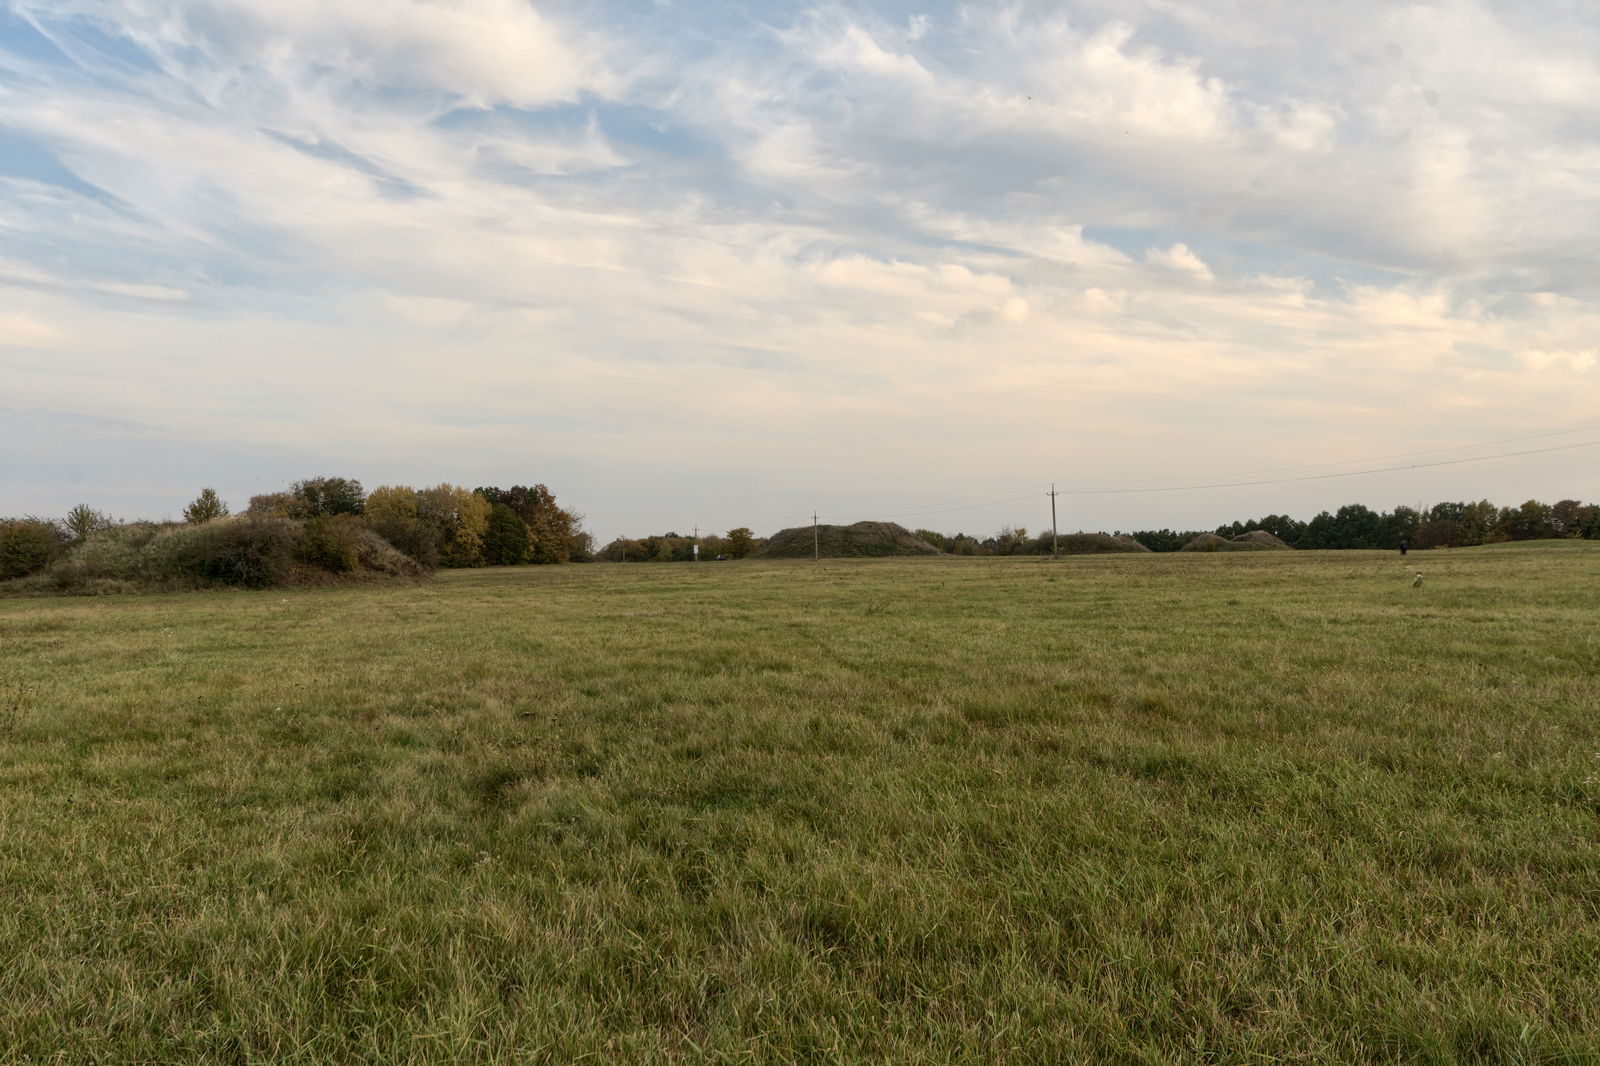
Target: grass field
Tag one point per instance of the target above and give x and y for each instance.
(1256, 808)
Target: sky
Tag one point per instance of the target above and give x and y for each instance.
(706, 265)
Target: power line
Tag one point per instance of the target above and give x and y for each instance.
(983, 502)
(1346, 462)
(1346, 473)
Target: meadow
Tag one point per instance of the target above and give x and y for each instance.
(1252, 808)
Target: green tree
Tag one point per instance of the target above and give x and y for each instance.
(1566, 518)
(1009, 541)
(461, 517)
(391, 512)
(1402, 525)
(83, 520)
(328, 495)
(505, 539)
(1531, 521)
(1477, 522)
(275, 505)
(741, 542)
(556, 533)
(205, 508)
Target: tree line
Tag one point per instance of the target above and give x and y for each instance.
(1455, 524)
(442, 526)
(451, 526)
(676, 548)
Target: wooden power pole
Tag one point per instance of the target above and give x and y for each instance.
(816, 543)
(1055, 542)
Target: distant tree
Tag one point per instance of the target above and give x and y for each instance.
(83, 520)
(1162, 540)
(329, 495)
(1009, 541)
(1477, 522)
(740, 542)
(1402, 525)
(556, 534)
(1438, 533)
(505, 538)
(391, 511)
(1588, 522)
(963, 544)
(461, 517)
(275, 504)
(1566, 518)
(205, 508)
(623, 550)
(1531, 521)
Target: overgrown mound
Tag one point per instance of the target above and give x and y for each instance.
(1261, 538)
(1087, 544)
(862, 540)
(1255, 540)
(245, 552)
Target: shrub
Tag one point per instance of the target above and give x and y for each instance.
(332, 542)
(253, 552)
(27, 545)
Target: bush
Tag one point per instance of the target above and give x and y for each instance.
(331, 542)
(254, 552)
(28, 545)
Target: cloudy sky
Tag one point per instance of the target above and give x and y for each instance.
(722, 264)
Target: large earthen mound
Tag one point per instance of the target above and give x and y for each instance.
(1255, 540)
(858, 541)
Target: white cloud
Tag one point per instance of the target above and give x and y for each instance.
(485, 51)
(1575, 362)
(1181, 259)
(22, 330)
(820, 239)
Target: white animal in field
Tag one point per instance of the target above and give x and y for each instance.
(1417, 584)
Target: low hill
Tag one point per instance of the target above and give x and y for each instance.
(249, 552)
(1255, 540)
(861, 540)
(1087, 544)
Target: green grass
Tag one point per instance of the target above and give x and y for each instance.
(1248, 808)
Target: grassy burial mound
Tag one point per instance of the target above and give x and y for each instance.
(858, 541)
(239, 552)
(1255, 540)
(1086, 544)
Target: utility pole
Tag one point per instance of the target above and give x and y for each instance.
(816, 543)
(1055, 541)
(697, 544)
